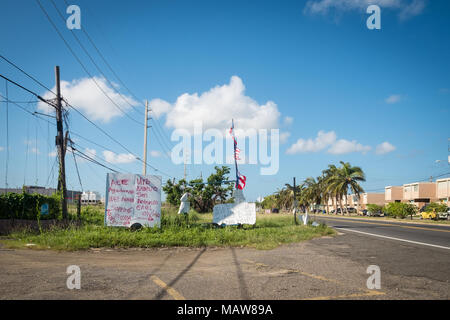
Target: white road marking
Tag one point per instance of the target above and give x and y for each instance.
(398, 239)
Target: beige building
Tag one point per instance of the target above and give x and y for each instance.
(443, 190)
(371, 198)
(419, 193)
(393, 194)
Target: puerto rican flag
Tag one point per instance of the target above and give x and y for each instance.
(240, 179)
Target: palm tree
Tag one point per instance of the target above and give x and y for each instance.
(329, 192)
(346, 179)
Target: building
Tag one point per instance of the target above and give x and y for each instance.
(72, 196)
(419, 193)
(371, 198)
(91, 197)
(393, 194)
(443, 190)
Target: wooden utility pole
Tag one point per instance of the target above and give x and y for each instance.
(60, 146)
(144, 170)
(295, 203)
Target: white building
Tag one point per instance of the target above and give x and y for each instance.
(91, 197)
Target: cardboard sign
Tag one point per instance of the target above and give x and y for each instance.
(232, 213)
(132, 198)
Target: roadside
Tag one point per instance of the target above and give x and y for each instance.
(323, 268)
(407, 220)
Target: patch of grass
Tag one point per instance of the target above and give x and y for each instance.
(196, 230)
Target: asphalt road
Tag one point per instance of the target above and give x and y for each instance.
(424, 234)
(323, 268)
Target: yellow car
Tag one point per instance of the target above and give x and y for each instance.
(429, 215)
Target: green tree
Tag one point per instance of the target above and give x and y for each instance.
(344, 180)
(204, 196)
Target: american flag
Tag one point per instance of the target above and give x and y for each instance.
(240, 179)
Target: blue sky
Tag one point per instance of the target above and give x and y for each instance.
(323, 68)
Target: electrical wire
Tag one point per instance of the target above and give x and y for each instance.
(83, 66)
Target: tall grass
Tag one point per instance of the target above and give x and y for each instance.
(195, 230)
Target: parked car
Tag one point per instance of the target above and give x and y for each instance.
(351, 210)
(363, 212)
(374, 213)
(275, 210)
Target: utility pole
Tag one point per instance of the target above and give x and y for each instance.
(144, 170)
(60, 145)
(295, 203)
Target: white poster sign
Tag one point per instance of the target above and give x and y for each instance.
(132, 198)
(232, 213)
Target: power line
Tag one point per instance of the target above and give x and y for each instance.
(82, 65)
(87, 119)
(91, 59)
(28, 75)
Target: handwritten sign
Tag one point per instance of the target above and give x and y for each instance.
(232, 213)
(132, 198)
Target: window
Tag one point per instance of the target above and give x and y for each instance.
(416, 187)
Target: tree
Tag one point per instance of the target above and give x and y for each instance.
(204, 196)
(345, 179)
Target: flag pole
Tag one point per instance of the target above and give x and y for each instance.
(234, 155)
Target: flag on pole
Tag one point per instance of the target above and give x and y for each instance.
(240, 179)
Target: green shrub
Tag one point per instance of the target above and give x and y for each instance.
(28, 206)
(375, 208)
(400, 210)
(437, 207)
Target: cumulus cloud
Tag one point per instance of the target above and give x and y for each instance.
(393, 98)
(52, 154)
(114, 158)
(35, 150)
(89, 99)
(406, 8)
(215, 109)
(288, 121)
(159, 107)
(323, 140)
(284, 136)
(343, 146)
(329, 141)
(384, 148)
(1, 148)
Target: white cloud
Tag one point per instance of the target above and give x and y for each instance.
(155, 154)
(323, 140)
(118, 158)
(52, 154)
(35, 150)
(216, 107)
(288, 121)
(90, 152)
(284, 136)
(159, 107)
(1, 148)
(89, 99)
(345, 146)
(393, 98)
(406, 8)
(384, 148)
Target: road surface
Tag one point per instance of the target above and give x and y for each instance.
(323, 268)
